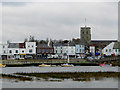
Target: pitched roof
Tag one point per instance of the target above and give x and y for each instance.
(16, 45)
(116, 45)
(13, 45)
(65, 44)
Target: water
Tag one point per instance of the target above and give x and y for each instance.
(9, 70)
(67, 83)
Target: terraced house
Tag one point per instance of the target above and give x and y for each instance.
(24, 50)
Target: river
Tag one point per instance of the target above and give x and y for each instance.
(67, 83)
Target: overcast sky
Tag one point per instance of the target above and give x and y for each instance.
(58, 20)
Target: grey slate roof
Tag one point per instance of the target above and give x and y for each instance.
(66, 44)
(13, 45)
(116, 45)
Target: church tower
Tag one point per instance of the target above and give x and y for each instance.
(85, 34)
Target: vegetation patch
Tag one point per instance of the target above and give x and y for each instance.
(20, 78)
(73, 75)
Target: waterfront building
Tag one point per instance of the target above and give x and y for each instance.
(13, 50)
(30, 50)
(113, 49)
(4, 52)
(44, 50)
(95, 49)
(63, 50)
(80, 50)
(18, 50)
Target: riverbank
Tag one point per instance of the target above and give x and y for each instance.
(55, 76)
(68, 75)
(57, 62)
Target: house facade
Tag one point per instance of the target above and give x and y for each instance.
(18, 50)
(4, 52)
(63, 50)
(44, 50)
(113, 49)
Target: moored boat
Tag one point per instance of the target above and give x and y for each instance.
(67, 65)
(44, 65)
(104, 65)
(1, 65)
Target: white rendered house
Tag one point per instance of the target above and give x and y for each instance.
(111, 49)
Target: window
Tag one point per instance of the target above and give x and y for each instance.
(119, 50)
(83, 50)
(56, 51)
(16, 51)
(61, 51)
(22, 51)
(32, 45)
(80, 50)
(115, 50)
(106, 50)
(3, 46)
(72, 51)
(83, 32)
(4, 51)
(10, 51)
(30, 51)
(43, 50)
(87, 32)
(77, 50)
(28, 46)
(109, 50)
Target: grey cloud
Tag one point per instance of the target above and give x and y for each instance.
(13, 4)
(59, 20)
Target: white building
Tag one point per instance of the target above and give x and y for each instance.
(30, 47)
(0, 51)
(64, 50)
(112, 49)
(18, 50)
(80, 49)
(4, 52)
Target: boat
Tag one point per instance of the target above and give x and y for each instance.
(44, 65)
(67, 65)
(68, 60)
(104, 65)
(1, 65)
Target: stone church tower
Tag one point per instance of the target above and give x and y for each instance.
(85, 34)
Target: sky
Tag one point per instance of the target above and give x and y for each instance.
(58, 20)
